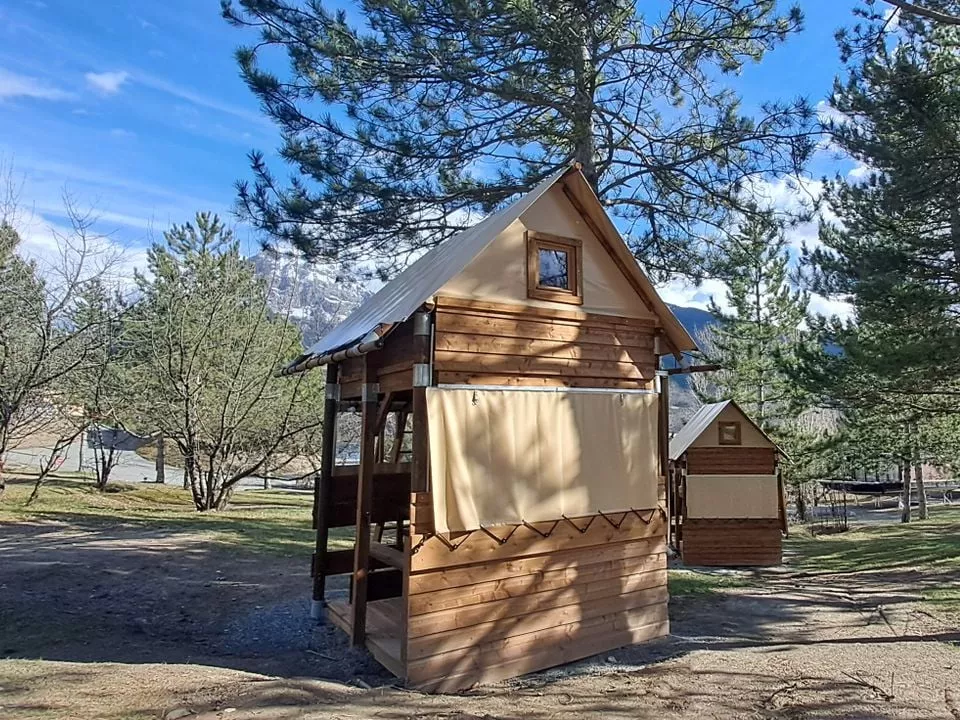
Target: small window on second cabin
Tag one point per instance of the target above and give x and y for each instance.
(554, 268)
(729, 433)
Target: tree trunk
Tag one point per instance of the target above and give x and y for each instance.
(267, 483)
(83, 440)
(800, 503)
(585, 146)
(161, 470)
(921, 489)
(904, 470)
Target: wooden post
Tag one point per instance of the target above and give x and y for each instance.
(401, 430)
(361, 554)
(664, 434)
(419, 481)
(323, 489)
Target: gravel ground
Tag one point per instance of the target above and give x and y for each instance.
(127, 623)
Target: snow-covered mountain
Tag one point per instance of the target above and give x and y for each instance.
(317, 297)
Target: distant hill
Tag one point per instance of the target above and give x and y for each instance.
(693, 319)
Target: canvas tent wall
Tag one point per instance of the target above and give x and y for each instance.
(725, 493)
(508, 360)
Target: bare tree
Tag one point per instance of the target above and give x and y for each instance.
(43, 341)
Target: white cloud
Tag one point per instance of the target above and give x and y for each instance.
(859, 171)
(107, 83)
(826, 113)
(829, 307)
(199, 99)
(13, 85)
(122, 133)
(680, 291)
(794, 196)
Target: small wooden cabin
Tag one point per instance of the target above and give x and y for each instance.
(523, 488)
(725, 493)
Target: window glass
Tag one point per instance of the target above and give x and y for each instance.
(554, 268)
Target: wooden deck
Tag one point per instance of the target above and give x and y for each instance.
(384, 629)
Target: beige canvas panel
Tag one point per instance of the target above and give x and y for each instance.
(505, 456)
(749, 435)
(498, 273)
(732, 496)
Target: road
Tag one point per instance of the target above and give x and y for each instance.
(131, 468)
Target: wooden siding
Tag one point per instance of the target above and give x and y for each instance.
(731, 461)
(489, 610)
(501, 344)
(732, 542)
(391, 366)
(391, 492)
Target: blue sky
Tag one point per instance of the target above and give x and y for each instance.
(138, 110)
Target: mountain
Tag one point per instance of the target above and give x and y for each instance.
(694, 320)
(317, 297)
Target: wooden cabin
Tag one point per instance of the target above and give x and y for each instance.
(725, 493)
(523, 488)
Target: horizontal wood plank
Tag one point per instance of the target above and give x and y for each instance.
(533, 328)
(471, 343)
(445, 302)
(478, 547)
(731, 461)
(487, 363)
(575, 570)
(480, 636)
(468, 378)
(459, 670)
(387, 554)
(576, 592)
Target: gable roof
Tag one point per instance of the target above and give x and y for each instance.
(402, 297)
(701, 420)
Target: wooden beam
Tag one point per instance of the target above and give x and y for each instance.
(361, 557)
(664, 434)
(690, 369)
(400, 431)
(323, 489)
(419, 462)
(387, 555)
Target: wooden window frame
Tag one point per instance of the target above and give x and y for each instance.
(574, 249)
(735, 426)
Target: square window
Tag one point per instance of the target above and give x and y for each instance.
(554, 268)
(729, 433)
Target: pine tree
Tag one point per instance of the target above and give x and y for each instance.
(206, 351)
(756, 341)
(894, 252)
(401, 129)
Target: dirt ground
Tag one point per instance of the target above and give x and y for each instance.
(114, 621)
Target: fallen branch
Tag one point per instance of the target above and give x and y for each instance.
(881, 693)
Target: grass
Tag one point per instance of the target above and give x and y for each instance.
(945, 598)
(263, 521)
(933, 544)
(691, 582)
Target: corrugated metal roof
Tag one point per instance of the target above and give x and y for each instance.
(695, 426)
(701, 420)
(401, 297)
